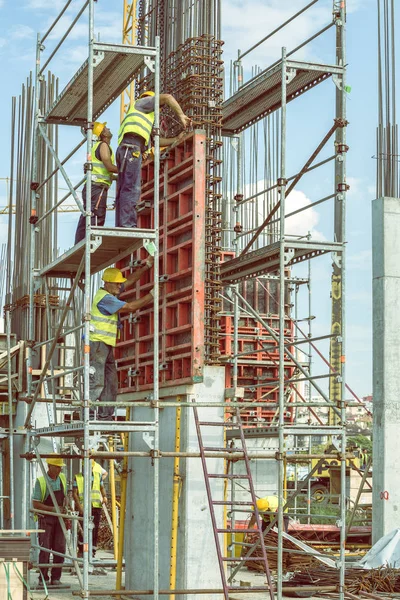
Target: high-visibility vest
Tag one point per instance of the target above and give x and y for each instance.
(43, 485)
(103, 328)
(138, 123)
(100, 174)
(95, 492)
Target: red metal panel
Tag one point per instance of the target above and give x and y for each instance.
(182, 261)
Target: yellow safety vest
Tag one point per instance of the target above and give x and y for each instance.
(95, 493)
(103, 328)
(138, 123)
(100, 175)
(43, 485)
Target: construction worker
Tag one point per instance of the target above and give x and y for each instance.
(133, 141)
(103, 166)
(52, 537)
(98, 497)
(104, 323)
(268, 507)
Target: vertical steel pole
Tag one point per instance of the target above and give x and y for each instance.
(281, 422)
(87, 303)
(34, 175)
(10, 421)
(156, 315)
(340, 231)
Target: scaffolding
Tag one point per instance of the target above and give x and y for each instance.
(258, 260)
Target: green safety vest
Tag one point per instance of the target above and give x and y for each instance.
(43, 485)
(138, 123)
(103, 328)
(95, 493)
(100, 175)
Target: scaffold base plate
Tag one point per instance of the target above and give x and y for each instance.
(107, 247)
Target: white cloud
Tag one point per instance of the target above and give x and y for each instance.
(3, 42)
(21, 32)
(56, 5)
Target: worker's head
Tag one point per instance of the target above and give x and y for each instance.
(101, 131)
(268, 503)
(113, 280)
(146, 93)
(55, 465)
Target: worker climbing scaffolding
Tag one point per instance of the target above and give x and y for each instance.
(134, 138)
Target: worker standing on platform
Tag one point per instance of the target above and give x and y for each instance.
(104, 325)
(134, 139)
(103, 166)
(53, 535)
(98, 497)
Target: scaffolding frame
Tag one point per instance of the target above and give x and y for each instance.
(282, 248)
(100, 248)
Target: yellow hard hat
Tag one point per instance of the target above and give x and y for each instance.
(57, 462)
(113, 275)
(147, 93)
(262, 504)
(98, 127)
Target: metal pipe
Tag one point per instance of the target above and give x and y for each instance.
(50, 29)
(65, 35)
(113, 500)
(43, 183)
(10, 421)
(278, 28)
(176, 485)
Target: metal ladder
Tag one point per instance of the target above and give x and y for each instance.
(225, 560)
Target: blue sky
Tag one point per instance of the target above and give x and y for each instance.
(244, 23)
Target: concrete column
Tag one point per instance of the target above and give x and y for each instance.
(386, 365)
(197, 565)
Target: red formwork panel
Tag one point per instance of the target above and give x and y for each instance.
(182, 262)
(258, 371)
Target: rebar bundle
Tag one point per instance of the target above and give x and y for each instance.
(387, 133)
(21, 189)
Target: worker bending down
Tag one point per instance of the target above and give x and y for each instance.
(104, 325)
(52, 538)
(134, 139)
(98, 498)
(267, 508)
(103, 166)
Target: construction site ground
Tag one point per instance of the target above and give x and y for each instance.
(107, 582)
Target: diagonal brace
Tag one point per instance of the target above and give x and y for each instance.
(337, 123)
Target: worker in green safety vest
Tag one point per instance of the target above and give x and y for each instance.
(98, 498)
(103, 171)
(52, 537)
(134, 138)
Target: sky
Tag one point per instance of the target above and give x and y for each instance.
(244, 22)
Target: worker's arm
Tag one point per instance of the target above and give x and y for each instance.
(37, 505)
(168, 100)
(78, 505)
(170, 141)
(136, 304)
(105, 155)
(136, 275)
(104, 495)
(252, 521)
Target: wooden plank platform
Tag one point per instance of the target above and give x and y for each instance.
(108, 245)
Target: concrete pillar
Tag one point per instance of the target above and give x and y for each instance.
(386, 365)
(197, 565)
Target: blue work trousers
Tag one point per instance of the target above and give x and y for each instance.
(103, 380)
(129, 162)
(98, 207)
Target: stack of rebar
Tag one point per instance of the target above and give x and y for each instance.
(357, 580)
(291, 562)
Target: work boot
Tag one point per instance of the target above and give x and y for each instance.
(55, 582)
